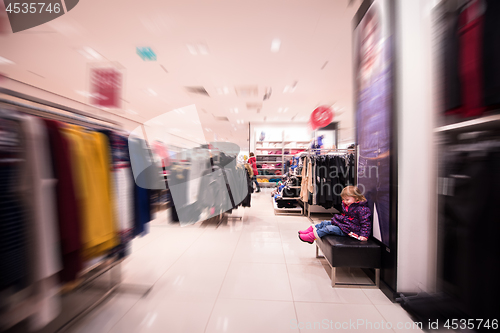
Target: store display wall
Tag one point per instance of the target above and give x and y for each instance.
(376, 123)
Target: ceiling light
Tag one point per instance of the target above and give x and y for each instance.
(192, 49)
(203, 49)
(223, 91)
(90, 53)
(196, 49)
(85, 54)
(152, 92)
(83, 93)
(4, 61)
(290, 88)
(286, 109)
(208, 129)
(275, 45)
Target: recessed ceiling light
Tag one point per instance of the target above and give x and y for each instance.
(152, 92)
(223, 91)
(285, 110)
(290, 88)
(196, 49)
(208, 129)
(83, 93)
(203, 49)
(4, 61)
(90, 53)
(275, 45)
(192, 49)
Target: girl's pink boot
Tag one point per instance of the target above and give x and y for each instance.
(308, 230)
(308, 238)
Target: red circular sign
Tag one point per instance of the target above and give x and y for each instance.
(321, 116)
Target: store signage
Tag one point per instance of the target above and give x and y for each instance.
(146, 53)
(106, 87)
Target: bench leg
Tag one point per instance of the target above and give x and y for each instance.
(377, 277)
(317, 253)
(333, 276)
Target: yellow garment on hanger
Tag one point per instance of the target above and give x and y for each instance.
(90, 159)
(305, 182)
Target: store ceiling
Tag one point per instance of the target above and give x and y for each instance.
(235, 74)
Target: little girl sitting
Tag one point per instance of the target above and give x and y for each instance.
(354, 221)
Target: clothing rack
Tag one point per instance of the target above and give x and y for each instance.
(311, 152)
(110, 264)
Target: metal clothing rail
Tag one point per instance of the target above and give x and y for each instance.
(110, 264)
(33, 110)
(336, 152)
(54, 105)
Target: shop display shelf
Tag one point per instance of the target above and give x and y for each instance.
(286, 211)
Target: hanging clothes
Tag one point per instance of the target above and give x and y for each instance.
(45, 259)
(470, 62)
(68, 211)
(91, 163)
(465, 221)
(13, 211)
(147, 177)
(491, 53)
(305, 181)
(123, 190)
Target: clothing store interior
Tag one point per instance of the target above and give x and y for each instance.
(206, 166)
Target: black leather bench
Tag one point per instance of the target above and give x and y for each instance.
(349, 252)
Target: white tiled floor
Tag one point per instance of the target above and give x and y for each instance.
(249, 275)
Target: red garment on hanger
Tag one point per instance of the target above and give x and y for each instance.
(470, 23)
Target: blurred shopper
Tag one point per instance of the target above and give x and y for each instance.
(253, 162)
